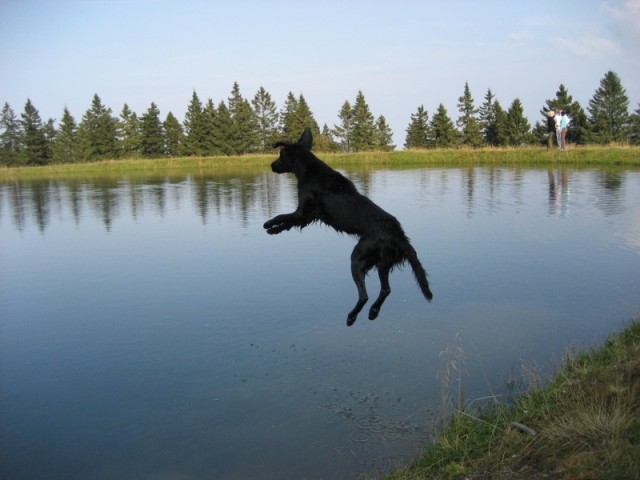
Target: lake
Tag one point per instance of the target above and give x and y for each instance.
(151, 329)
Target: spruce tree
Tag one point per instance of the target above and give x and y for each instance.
(501, 125)
(287, 118)
(442, 129)
(223, 127)
(267, 117)
(488, 119)
(50, 134)
(244, 135)
(195, 128)
(128, 133)
(10, 135)
(344, 131)
(634, 130)
(384, 135)
(468, 122)
(608, 110)
(65, 148)
(151, 133)
(33, 138)
(418, 131)
(209, 131)
(97, 133)
(363, 136)
(518, 127)
(174, 136)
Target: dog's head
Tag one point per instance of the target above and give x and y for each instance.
(291, 152)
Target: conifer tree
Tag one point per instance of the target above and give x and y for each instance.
(518, 127)
(195, 128)
(418, 131)
(287, 118)
(151, 133)
(50, 134)
(344, 131)
(10, 135)
(174, 136)
(33, 138)
(266, 120)
(363, 136)
(468, 122)
(210, 130)
(65, 147)
(97, 134)
(384, 135)
(244, 133)
(442, 129)
(222, 126)
(128, 133)
(501, 125)
(608, 110)
(488, 120)
(634, 132)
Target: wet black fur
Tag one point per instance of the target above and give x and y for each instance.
(327, 196)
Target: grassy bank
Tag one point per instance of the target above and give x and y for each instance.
(529, 156)
(585, 424)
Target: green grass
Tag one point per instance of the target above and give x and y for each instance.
(527, 156)
(586, 423)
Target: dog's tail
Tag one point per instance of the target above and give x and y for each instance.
(418, 271)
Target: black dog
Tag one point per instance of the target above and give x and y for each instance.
(327, 196)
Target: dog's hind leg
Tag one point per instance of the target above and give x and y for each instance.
(385, 290)
(359, 269)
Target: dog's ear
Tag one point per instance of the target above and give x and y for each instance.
(306, 140)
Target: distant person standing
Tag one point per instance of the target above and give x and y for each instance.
(564, 125)
(558, 117)
(551, 127)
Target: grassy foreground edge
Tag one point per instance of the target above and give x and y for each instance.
(585, 424)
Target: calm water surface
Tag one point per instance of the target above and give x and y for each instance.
(149, 328)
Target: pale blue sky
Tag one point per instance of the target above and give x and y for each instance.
(400, 53)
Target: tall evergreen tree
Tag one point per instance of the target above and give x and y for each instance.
(151, 133)
(634, 133)
(50, 134)
(97, 135)
(442, 129)
(65, 148)
(244, 134)
(608, 110)
(223, 127)
(128, 133)
(468, 122)
(210, 130)
(364, 129)
(344, 131)
(267, 118)
(174, 136)
(287, 118)
(518, 127)
(501, 125)
(33, 138)
(488, 119)
(295, 117)
(384, 135)
(418, 131)
(10, 135)
(195, 127)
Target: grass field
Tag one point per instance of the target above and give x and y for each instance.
(585, 424)
(529, 156)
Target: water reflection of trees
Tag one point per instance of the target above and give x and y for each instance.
(236, 196)
(242, 196)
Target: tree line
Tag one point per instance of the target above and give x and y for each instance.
(242, 126)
